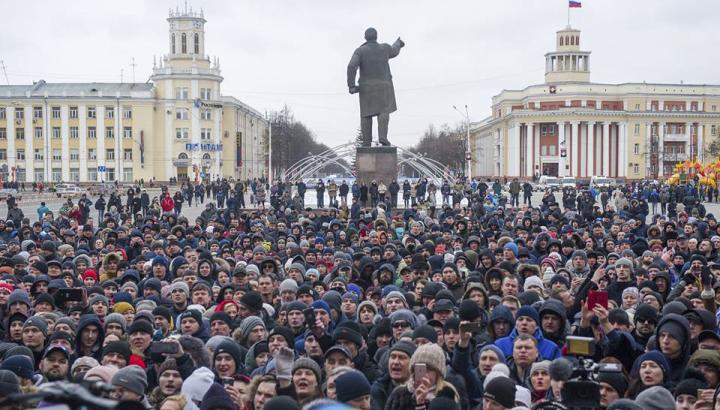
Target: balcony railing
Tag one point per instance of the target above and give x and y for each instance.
(675, 156)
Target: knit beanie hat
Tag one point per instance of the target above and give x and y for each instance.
(624, 404)
(310, 364)
(616, 379)
(530, 312)
(233, 349)
(21, 366)
(442, 403)
(19, 295)
(141, 326)
(250, 323)
(168, 364)
(656, 398)
(37, 322)
(432, 355)
(288, 285)
(405, 347)
(560, 369)
(86, 361)
(689, 386)
(116, 318)
(9, 383)
(252, 300)
(122, 307)
(499, 353)
(469, 310)
(104, 373)
(132, 378)
(119, 346)
(427, 332)
(217, 398)
(351, 385)
(654, 356)
(198, 383)
(281, 403)
(345, 333)
(502, 390)
(533, 281)
(543, 365)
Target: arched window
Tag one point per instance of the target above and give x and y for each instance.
(182, 156)
(197, 43)
(172, 41)
(567, 40)
(562, 42)
(184, 43)
(577, 40)
(206, 156)
(572, 40)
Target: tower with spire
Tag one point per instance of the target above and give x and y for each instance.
(568, 63)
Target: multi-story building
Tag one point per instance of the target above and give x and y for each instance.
(178, 124)
(570, 126)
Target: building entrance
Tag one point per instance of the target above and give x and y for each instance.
(550, 170)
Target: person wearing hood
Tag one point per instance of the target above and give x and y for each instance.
(673, 341)
(527, 321)
(90, 337)
(501, 323)
(553, 319)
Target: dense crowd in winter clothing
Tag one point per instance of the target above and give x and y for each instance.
(460, 303)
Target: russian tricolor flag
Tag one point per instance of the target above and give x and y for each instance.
(575, 4)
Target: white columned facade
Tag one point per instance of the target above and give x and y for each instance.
(536, 155)
(64, 143)
(11, 153)
(562, 145)
(82, 142)
(574, 158)
(529, 144)
(100, 140)
(606, 149)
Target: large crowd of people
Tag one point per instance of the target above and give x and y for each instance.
(415, 295)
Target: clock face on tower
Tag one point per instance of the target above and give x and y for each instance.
(197, 25)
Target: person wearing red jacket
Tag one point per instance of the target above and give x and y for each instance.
(167, 204)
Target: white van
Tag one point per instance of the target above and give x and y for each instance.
(601, 182)
(548, 182)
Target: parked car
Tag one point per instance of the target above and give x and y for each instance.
(68, 190)
(104, 189)
(568, 182)
(547, 182)
(601, 182)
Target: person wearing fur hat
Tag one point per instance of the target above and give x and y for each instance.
(423, 386)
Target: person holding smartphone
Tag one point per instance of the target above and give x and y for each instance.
(427, 370)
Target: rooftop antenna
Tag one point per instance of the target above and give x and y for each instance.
(2, 64)
(133, 65)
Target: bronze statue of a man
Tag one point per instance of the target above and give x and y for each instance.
(377, 95)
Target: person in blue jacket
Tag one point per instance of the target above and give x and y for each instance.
(527, 320)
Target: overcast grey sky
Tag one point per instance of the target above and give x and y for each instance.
(296, 52)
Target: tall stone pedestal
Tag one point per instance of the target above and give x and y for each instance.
(376, 164)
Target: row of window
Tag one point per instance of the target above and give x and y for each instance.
(55, 112)
(184, 114)
(183, 43)
(39, 154)
(56, 175)
(74, 133)
(183, 93)
(551, 129)
(184, 133)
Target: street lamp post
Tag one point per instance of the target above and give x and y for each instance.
(468, 155)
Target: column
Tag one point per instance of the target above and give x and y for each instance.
(575, 157)
(169, 131)
(688, 141)
(661, 149)
(648, 149)
(529, 146)
(583, 151)
(11, 154)
(606, 149)
(82, 142)
(561, 144)
(100, 140)
(623, 163)
(65, 143)
(591, 148)
(536, 157)
(700, 142)
(513, 151)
